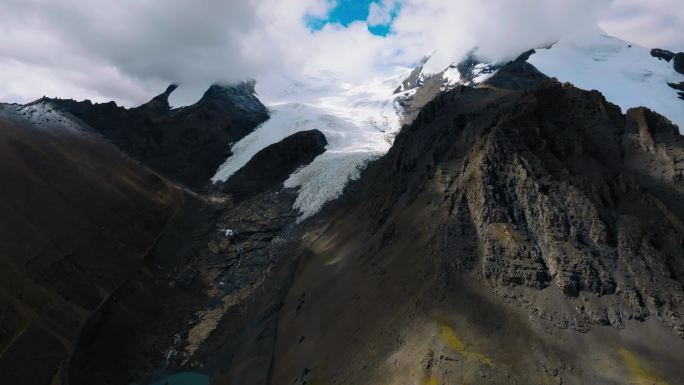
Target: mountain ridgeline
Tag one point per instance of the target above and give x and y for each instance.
(187, 144)
(519, 231)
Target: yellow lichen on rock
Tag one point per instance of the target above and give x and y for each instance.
(639, 374)
(451, 339)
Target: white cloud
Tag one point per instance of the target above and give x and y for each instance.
(381, 13)
(650, 23)
(500, 29)
(101, 46)
(128, 50)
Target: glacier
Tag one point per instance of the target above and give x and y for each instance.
(358, 121)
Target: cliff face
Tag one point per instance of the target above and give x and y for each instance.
(509, 236)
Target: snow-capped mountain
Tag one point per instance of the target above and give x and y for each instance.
(42, 114)
(625, 73)
(360, 121)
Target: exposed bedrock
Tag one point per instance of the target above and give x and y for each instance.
(270, 167)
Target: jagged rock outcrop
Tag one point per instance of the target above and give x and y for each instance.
(677, 59)
(206, 300)
(469, 71)
(517, 74)
(563, 188)
(678, 65)
(160, 103)
(416, 78)
(678, 62)
(186, 144)
(662, 54)
(270, 167)
(472, 67)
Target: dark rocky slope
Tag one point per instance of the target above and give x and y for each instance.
(113, 274)
(77, 217)
(208, 290)
(677, 60)
(186, 144)
(270, 167)
(517, 74)
(662, 54)
(508, 237)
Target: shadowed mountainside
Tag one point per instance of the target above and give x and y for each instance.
(76, 218)
(186, 144)
(509, 236)
(107, 266)
(191, 308)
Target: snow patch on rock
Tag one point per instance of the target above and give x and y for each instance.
(43, 114)
(626, 74)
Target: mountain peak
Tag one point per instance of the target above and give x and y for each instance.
(223, 91)
(161, 101)
(416, 77)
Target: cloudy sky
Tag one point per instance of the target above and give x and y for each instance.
(129, 50)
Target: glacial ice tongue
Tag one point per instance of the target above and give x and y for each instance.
(358, 121)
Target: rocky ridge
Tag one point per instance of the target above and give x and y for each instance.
(186, 144)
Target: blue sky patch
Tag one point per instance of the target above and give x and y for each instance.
(347, 12)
